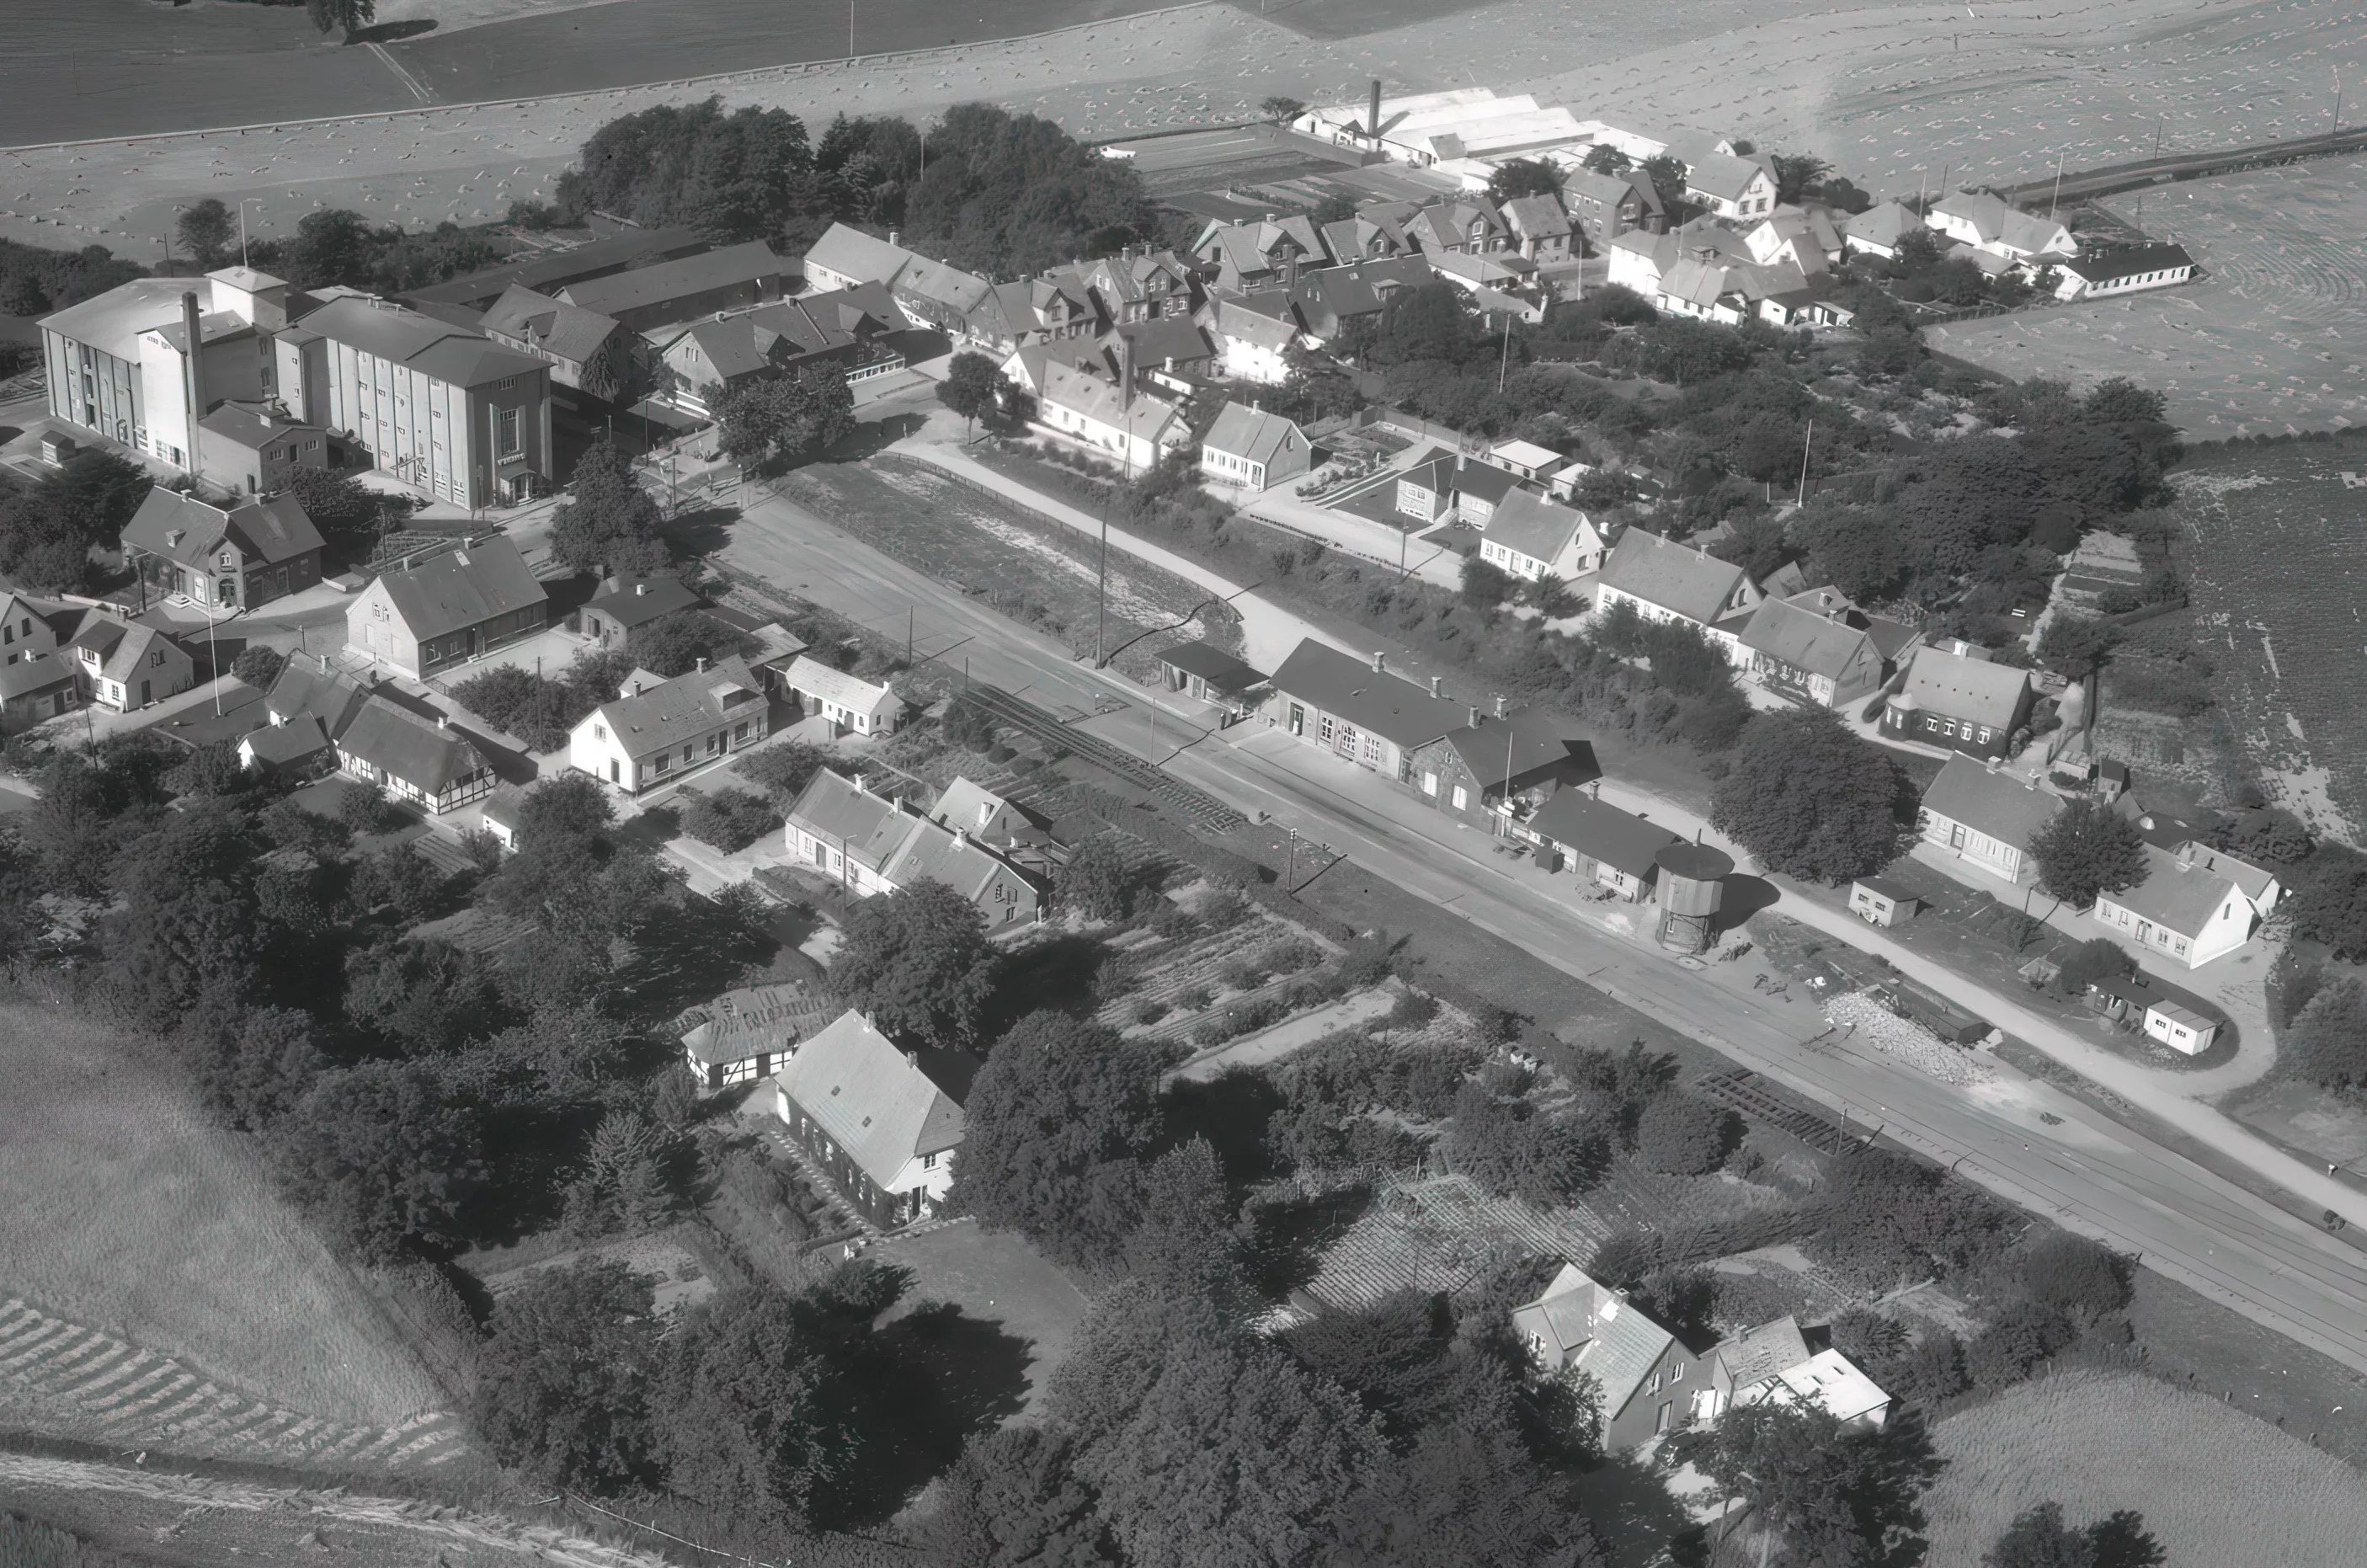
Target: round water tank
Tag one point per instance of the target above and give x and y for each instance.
(1691, 877)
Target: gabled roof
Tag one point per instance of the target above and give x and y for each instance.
(464, 587)
(423, 754)
(1691, 583)
(1585, 825)
(1756, 1353)
(1714, 174)
(932, 851)
(751, 262)
(113, 321)
(2180, 895)
(1812, 631)
(754, 1020)
(983, 814)
(842, 813)
(1248, 432)
(1611, 190)
(181, 527)
(1883, 225)
(549, 270)
(1213, 664)
(252, 425)
(851, 692)
(2002, 805)
(278, 744)
(1160, 339)
(2129, 263)
(657, 716)
(306, 690)
(1527, 740)
(555, 327)
(407, 337)
(1599, 1330)
(851, 253)
(960, 292)
(881, 1105)
(1956, 686)
(36, 672)
(1149, 418)
(632, 601)
(1536, 217)
(1351, 688)
(1532, 526)
(1485, 481)
(1264, 320)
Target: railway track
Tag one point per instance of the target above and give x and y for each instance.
(1205, 810)
(1745, 1092)
(2081, 184)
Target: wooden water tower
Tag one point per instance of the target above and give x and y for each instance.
(1692, 885)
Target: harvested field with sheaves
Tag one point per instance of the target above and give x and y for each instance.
(125, 1215)
(2216, 1486)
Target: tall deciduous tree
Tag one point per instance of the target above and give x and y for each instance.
(1811, 800)
(740, 175)
(1605, 159)
(563, 1381)
(1058, 1121)
(974, 387)
(329, 15)
(918, 961)
(207, 229)
(379, 1157)
(609, 523)
(1516, 177)
(1007, 194)
(1797, 174)
(1831, 1496)
(2327, 1041)
(781, 420)
(336, 503)
(2086, 848)
(1014, 1500)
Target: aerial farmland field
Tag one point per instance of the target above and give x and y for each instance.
(2273, 337)
(2277, 565)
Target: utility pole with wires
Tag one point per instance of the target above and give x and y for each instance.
(1504, 359)
(2056, 200)
(1802, 499)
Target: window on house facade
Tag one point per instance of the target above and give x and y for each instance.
(1326, 729)
(1430, 783)
(507, 442)
(1462, 797)
(1372, 748)
(599, 731)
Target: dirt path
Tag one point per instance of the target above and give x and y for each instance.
(199, 1520)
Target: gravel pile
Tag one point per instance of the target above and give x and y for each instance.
(1862, 1019)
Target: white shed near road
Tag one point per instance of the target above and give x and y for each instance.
(848, 703)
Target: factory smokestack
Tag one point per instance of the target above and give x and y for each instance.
(193, 377)
(1373, 115)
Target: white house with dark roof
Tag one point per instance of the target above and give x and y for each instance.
(125, 664)
(425, 617)
(1774, 1364)
(2128, 270)
(1878, 229)
(1541, 230)
(882, 1119)
(627, 604)
(1359, 711)
(1533, 538)
(1253, 450)
(1730, 186)
(412, 758)
(36, 681)
(1816, 646)
(744, 1035)
(1646, 1375)
(309, 689)
(1991, 224)
(870, 842)
(2195, 903)
(846, 258)
(1984, 816)
(1666, 580)
(1253, 335)
(1096, 412)
(1956, 696)
(847, 702)
(653, 734)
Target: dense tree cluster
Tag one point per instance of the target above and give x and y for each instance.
(609, 523)
(1004, 195)
(2085, 849)
(774, 422)
(1810, 798)
(48, 530)
(918, 962)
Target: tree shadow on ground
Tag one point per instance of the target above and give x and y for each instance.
(690, 952)
(1058, 975)
(1634, 1515)
(702, 531)
(529, 1154)
(1230, 1110)
(938, 1378)
(1291, 1238)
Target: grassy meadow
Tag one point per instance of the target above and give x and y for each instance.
(123, 1208)
(2215, 1486)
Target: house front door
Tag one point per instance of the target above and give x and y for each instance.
(146, 699)
(1297, 720)
(2144, 931)
(1955, 835)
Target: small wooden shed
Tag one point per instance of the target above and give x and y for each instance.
(1878, 901)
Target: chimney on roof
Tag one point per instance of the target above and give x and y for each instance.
(702, 664)
(2186, 856)
(442, 720)
(1499, 705)
(1380, 664)
(637, 689)
(1475, 715)
(891, 236)
(961, 836)
(1436, 682)
(641, 590)
(1993, 764)
(911, 1057)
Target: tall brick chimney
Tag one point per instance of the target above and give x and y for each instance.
(193, 374)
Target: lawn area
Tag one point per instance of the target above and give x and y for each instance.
(997, 1280)
(121, 1207)
(2214, 1485)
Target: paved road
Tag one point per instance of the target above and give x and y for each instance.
(2082, 1168)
